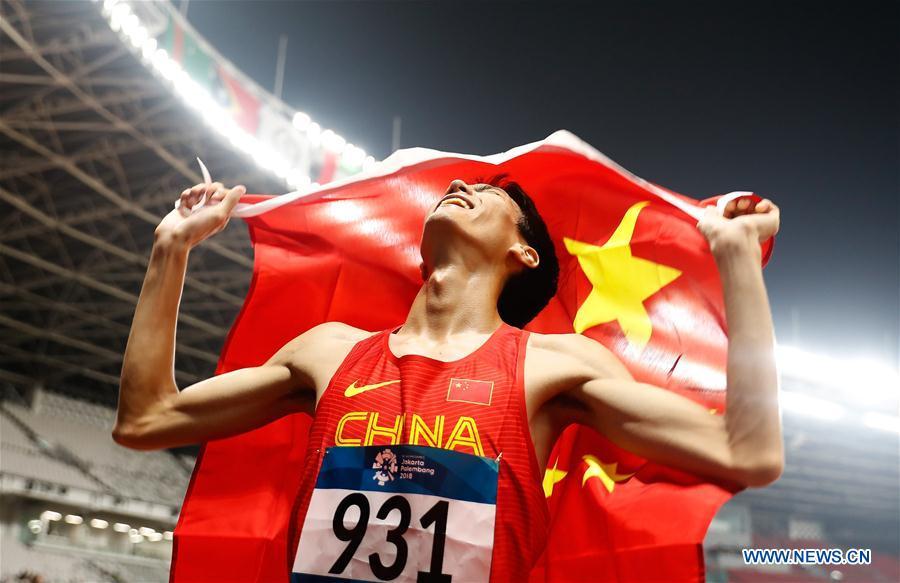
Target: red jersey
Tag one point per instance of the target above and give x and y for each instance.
(474, 405)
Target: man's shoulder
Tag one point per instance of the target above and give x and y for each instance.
(576, 345)
(574, 351)
(318, 352)
(337, 332)
(323, 341)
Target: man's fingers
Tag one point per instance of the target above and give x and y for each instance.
(232, 197)
(218, 195)
(729, 208)
(187, 200)
(214, 194)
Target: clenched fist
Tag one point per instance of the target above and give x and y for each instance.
(201, 212)
(743, 220)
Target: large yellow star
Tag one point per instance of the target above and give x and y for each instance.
(607, 473)
(621, 282)
(551, 477)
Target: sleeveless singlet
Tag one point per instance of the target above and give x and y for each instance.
(474, 405)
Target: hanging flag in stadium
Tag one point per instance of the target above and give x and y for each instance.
(635, 275)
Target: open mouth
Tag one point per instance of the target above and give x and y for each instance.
(458, 200)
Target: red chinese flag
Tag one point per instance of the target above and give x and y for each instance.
(469, 391)
(636, 276)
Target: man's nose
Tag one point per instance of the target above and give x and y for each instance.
(459, 186)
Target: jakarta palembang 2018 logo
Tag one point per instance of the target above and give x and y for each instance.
(385, 466)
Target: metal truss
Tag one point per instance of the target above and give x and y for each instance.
(95, 152)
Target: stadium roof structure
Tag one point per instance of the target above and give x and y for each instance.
(97, 145)
(99, 135)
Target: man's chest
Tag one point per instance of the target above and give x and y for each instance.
(466, 409)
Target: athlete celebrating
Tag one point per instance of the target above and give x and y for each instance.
(429, 441)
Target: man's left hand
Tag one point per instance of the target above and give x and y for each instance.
(742, 218)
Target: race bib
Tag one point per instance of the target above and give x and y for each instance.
(399, 513)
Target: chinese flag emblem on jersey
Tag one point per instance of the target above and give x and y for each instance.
(469, 391)
(635, 275)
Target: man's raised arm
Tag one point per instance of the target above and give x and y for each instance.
(742, 446)
(152, 412)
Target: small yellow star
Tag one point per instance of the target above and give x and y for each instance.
(551, 477)
(607, 473)
(621, 282)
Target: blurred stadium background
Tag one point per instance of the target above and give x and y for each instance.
(105, 105)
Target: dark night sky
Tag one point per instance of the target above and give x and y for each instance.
(797, 101)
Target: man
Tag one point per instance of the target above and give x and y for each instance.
(455, 377)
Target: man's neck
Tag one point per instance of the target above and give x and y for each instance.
(455, 300)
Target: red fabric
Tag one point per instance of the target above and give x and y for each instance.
(350, 254)
(498, 424)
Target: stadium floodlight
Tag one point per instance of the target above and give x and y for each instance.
(281, 171)
(187, 89)
(297, 179)
(354, 155)
(146, 530)
(130, 24)
(883, 422)
(268, 159)
(51, 515)
(314, 133)
(333, 141)
(218, 120)
(138, 37)
(155, 537)
(35, 526)
(122, 19)
(301, 121)
(121, 527)
(863, 380)
(148, 49)
(810, 406)
(73, 519)
(99, 523)
(135, 538)
(164, 65)
(118, 15)
(168, 535)
(241, 139)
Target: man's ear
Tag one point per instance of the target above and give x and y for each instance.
(526, 255)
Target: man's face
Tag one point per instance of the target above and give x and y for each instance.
(477, 215)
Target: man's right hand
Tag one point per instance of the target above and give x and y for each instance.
(189, 224)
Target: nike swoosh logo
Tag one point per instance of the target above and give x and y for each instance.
(353, 390)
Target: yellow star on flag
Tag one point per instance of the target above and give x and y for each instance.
(551, 477)
(607, 473)
(621, 282)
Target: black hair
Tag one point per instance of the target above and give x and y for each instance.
(527, 292)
